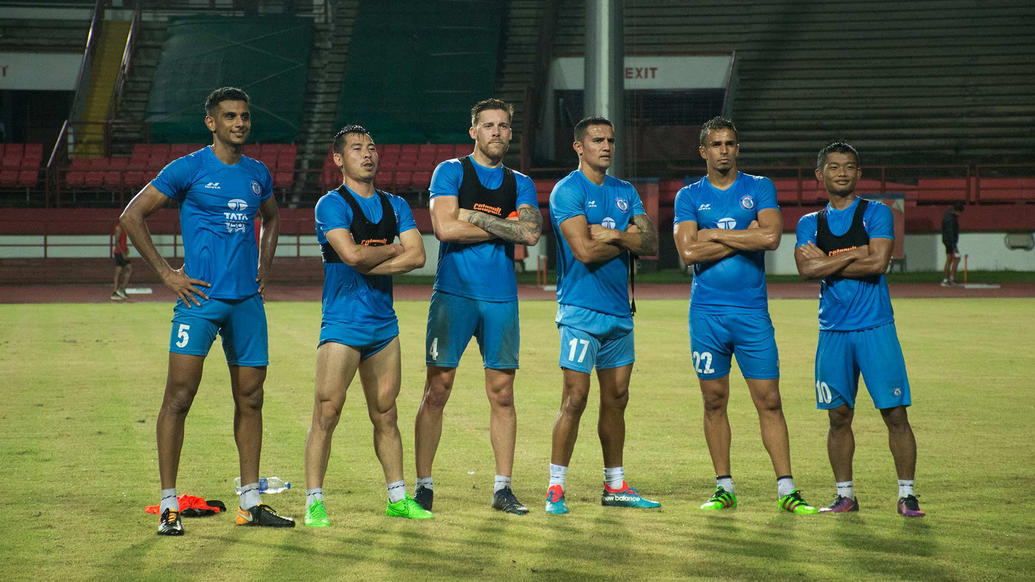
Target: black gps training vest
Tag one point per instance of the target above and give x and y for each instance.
(363, 231)
(474, 196)
(853, 238)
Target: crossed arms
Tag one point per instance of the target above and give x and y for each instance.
(597, 244)
(460, 225)
(866, 261)
(711, 244)
(390, 259)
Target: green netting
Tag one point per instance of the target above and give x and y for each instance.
(416, 68)
(267, 56)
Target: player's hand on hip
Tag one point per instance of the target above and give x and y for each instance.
(185, 287)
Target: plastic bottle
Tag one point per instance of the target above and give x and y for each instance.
(266, 485)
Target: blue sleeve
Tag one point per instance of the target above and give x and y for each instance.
(765, 195)
(526, 193)
(880, 222)
(806, 229)
(266, 181)
(332, 212)
(566, 201)
(685, 208)
(447, 179)
(403, 214)
(176, 178)
(636, 206)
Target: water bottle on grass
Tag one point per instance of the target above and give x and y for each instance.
(266, 485)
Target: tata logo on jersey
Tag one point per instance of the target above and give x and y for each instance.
(608, 222)
(726, 223)
(236, 219)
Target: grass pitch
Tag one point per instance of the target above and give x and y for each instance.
(82, 385)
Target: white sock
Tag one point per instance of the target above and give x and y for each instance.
(424, 482)
(558, 474)
(169, 501)
(501, 482)
(905, 487)
(845, 489)
(614, 477)
(784, 485)
(312, 495)
(250, 495)
(726, 482)
(396, 491)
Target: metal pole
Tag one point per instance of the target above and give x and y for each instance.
(605, 55)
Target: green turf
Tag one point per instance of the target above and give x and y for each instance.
(82, 385)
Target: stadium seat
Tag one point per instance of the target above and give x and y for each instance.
(942, 189)
(113, 177)
(283, 179)
(543, 188)
(422, 179)
(28, 178)
(8, 178)
(76, 172)
(443, 151)
(1006, 189)
(667, 191)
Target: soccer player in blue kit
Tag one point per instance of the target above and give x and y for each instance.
(599, 220)
(723, 225)
(219, 290)
(856, 323)
(356, 226)
(479, 209)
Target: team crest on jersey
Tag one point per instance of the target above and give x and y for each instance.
(256, 188)
(608, 222)
(747, 202)
(726, 223)
(622, 204)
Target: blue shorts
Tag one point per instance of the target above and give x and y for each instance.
(453, 320)
(842, 355)
(593, 339)
(240, 322)
(368, 340)
(746, 333)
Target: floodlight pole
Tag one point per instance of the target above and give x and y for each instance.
(605, 85)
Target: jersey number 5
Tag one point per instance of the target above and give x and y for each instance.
(182, 337)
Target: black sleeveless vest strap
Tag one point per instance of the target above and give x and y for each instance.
(363, 231)
(473, 196)
(854, 237)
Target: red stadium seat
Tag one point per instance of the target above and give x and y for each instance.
(462, 149)
(113, 177)
(391, 148)
(93, 179)
(543, 188)
(14, 150)
(422, 179)
(28, 178)
(8, 178)
(402, 180)
(667, 191)
(1006, 189)
(283, 179)
(942, 189)
(443, 151)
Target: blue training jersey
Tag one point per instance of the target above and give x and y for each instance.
(739, 279)
(349, 296)
(218, 205)
(485, 270)
(852, 304)
(603, 286)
